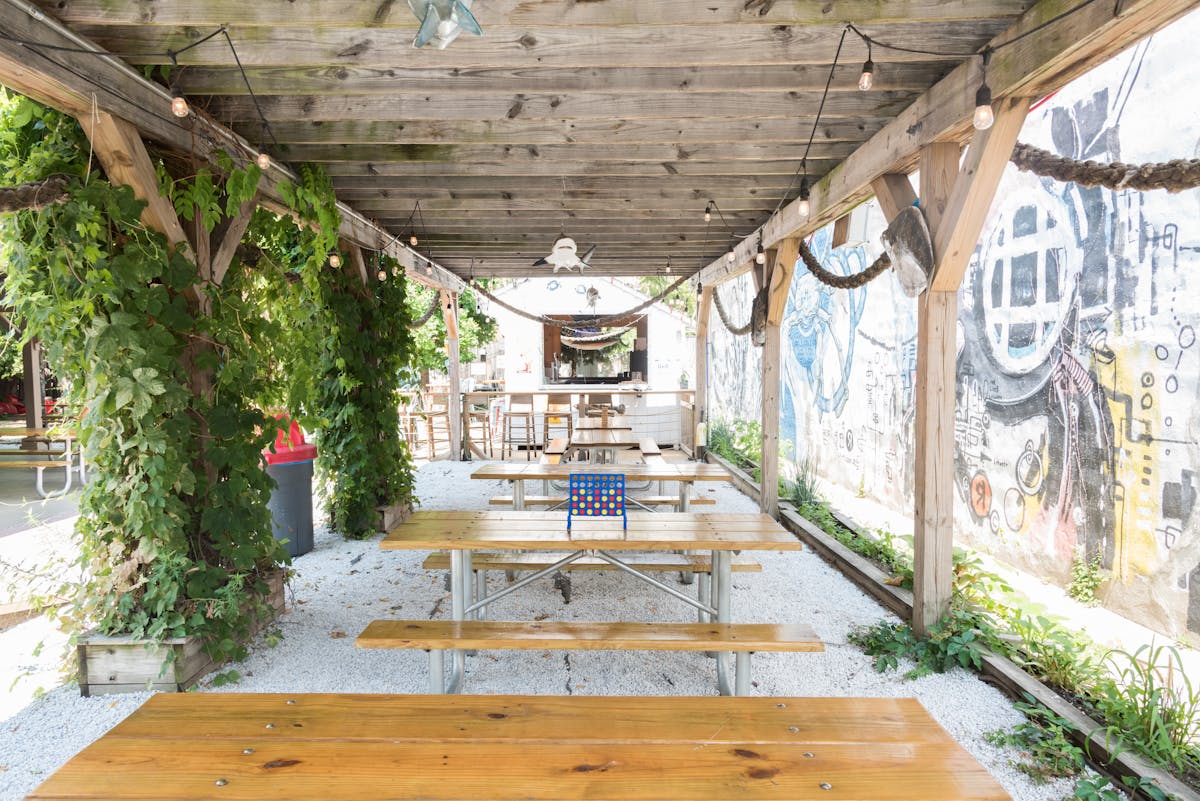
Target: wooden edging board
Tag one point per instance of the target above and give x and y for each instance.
(998, 670)
(738, 477)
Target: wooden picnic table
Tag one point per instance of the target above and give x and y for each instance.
(30, 456)
(462, 532)
(517, 473)
(605, 441)
(325, 747)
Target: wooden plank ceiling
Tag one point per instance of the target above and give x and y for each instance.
(611, 121)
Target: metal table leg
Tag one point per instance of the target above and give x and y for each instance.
(723, 578)
(437, 671)
(684, 499)
(518, 493)
(742, 677)
(459, 589)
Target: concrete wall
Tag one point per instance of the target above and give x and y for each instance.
(1078, 366)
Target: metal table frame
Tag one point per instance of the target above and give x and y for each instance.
(469, 599)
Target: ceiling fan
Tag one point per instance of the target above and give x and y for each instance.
(564, 255)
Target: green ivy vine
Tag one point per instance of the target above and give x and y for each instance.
(174, 534)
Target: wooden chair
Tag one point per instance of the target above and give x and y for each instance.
(436, 410)
(410, 414)
(559, 413)
(481, 416)
(596, 403)
(520, 408)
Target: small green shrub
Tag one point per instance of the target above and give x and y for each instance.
(957, 640)
(1101, 788)
(1046, 750)
(1149, 704)
(1086, 577)
(1051, 652)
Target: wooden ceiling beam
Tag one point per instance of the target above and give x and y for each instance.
(600, 46)
(77, 84)
(748, 151)
(567, 169)
(1040, 61)
(740, 108)
(553, 185)
(402, 203)
(452, 81)
(338, 13)
(834, 136)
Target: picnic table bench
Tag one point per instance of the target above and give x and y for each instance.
(42, 449)
(684, 473)
(326, 747)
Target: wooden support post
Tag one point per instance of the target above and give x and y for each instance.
(32, 381)
(783, 264)
(703, 310)
(955, 201)
(454, 403)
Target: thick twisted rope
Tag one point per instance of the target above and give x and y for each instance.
(737, 331)
(878, 268)
(588, 321)
(424, 318)
(1173, 176)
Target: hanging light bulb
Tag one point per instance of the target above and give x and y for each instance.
(335, 261)
(429, 268)
(760, 257)
(412, 240)
(383, 275)
(805, 207)
(179, 104)
(730, 256)
(984, 115)
(708, 211)
(867, 79)
(264, 161)
(396, 272)
(668, 265)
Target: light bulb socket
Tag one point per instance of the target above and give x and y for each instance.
(983, 95)
(804, 188)
(867, 79)
(708, 208)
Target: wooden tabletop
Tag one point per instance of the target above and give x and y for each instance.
(604, 438)
(539, 531)
(301, 747)
(667, 471)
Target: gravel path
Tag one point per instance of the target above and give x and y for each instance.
(341, 586)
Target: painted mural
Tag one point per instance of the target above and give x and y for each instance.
(1078, 365)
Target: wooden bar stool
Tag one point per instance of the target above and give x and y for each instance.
(520, 408)
(436, 411)
(559, 414)
(481, 416)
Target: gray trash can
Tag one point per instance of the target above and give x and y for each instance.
(290, 463)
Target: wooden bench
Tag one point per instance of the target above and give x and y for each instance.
(58, 458)
(555, 500)
(437, 636)
(540, 560)
(555, 451)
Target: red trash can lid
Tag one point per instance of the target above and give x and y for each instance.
(289, 444)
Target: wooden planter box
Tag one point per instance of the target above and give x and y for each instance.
(124, 665)
(390, 516)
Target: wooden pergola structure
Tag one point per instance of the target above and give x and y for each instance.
(614, 123)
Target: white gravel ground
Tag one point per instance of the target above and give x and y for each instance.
(341, 586)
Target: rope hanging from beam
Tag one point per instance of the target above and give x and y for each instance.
(424, 318)
(738, 330)
(586, 322)
(1174, 176)
(878, 268)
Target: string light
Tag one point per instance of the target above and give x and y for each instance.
(335, 260)
(668, 265)
(866, 79)
(708, 207)
(805, 207)
(984, 116)
(412, 240)
(383, 275)
(730, 256)
(264, 160)
(760, 257)
(179, 104)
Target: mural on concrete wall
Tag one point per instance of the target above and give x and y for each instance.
(734, 367)
(1078, 365)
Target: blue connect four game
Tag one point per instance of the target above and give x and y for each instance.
(597, 495)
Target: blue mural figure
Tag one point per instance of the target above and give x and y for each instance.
(821, 323)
